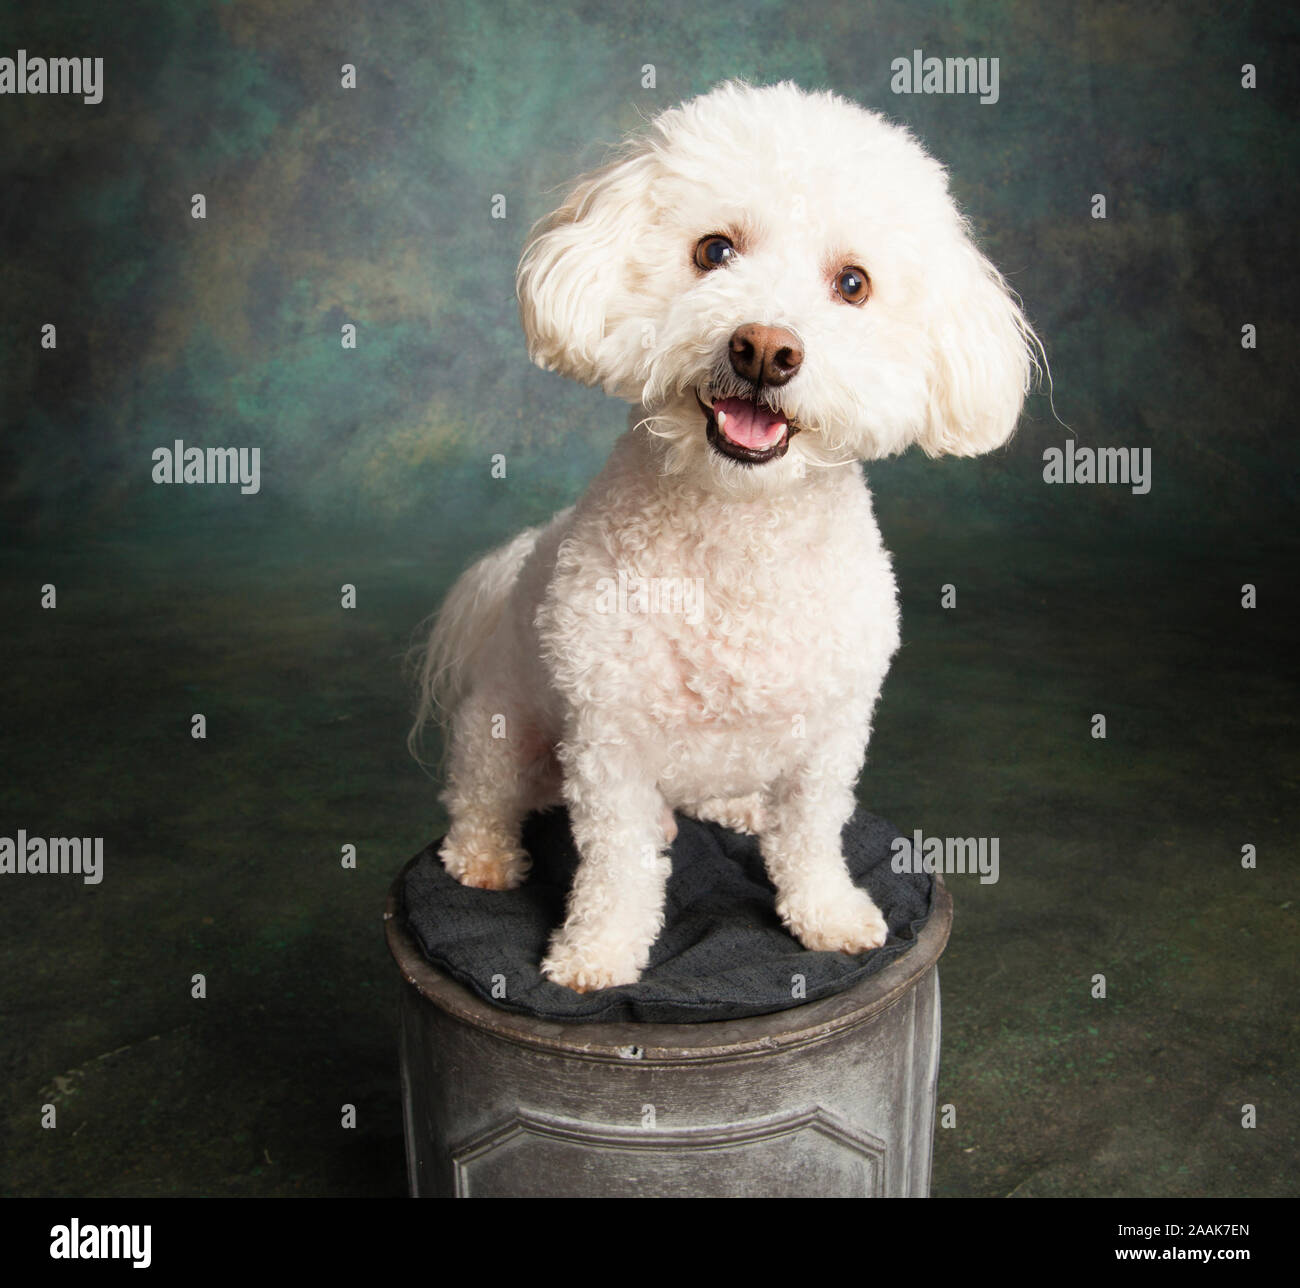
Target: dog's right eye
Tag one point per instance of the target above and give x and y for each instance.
(713, 251)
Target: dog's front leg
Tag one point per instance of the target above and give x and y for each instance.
(622, 829)
(816, 897)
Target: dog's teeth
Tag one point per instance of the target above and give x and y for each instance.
(780, 429)
(721, 418)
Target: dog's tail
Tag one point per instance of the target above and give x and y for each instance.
(457, 632)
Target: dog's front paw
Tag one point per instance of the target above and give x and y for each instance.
(847, 924)
(483, 865)
(588, 966)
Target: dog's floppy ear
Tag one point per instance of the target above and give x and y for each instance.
(575, 268)
(983, 355)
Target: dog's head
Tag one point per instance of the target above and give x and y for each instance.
(782, 280)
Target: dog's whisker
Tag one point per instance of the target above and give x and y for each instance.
(649, 422)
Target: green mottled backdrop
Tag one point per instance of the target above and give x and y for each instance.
(373, 206)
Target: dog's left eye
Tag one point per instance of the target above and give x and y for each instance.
(852, 285)
(713, 252)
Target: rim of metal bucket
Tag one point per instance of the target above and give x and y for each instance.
(639, 1042)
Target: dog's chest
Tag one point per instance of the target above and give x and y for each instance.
(747, 615)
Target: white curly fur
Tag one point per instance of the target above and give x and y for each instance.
(756, 709)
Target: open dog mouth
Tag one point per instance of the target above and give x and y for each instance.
(746, 430)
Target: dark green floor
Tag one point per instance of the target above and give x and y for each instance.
(1118, 857)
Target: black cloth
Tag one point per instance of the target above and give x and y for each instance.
(723, 953)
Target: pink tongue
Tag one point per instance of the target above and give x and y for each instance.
(749, 426)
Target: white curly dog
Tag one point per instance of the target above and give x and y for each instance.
(782, 286)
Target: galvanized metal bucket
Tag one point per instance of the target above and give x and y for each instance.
(832, 1099)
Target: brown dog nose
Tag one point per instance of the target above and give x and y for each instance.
(767, 355)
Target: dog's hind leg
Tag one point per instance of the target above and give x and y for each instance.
(499, 768)
(739, 813)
